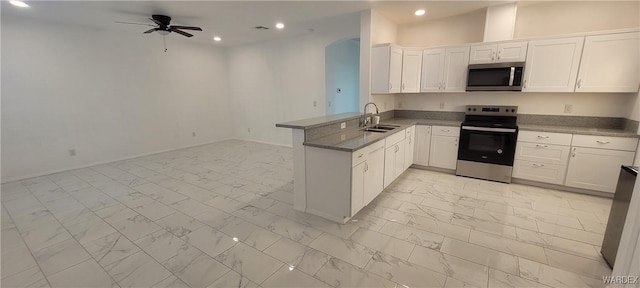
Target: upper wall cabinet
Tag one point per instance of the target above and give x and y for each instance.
(497, 53)
(411, 70)
(444, 69)
(552, 65)
(386, 69)
(610, 63)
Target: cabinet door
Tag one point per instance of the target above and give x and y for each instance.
(456, 64)
(357, 187)
(432, 69)
(395, 70)
(541, 172)
(552, 65)
(399, 163)
(380, 69)
(610, 63)
(423, 142)
(512, 52)
(411, 70)
(409, 146)
(542, 153)
(596, 169)
(389, 165)
(444, 152)
(481, 54)
(374, 175)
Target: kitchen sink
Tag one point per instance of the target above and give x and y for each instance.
(375, 130)
(384, 127)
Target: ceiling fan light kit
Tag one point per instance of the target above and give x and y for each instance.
(163, 27)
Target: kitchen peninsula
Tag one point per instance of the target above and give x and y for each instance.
(339, 167)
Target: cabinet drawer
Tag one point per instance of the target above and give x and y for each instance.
(395, 138)
(605, 142)
(445, 131)
(360, 155)
(545, 137)
(545, 153)
(541, 172)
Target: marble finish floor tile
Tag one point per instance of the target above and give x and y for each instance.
(346, 250)
(250, 262)
(221, 215)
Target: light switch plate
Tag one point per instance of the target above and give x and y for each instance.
(343, 125)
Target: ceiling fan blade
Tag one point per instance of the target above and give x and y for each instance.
(157, 22)
(187, 28)
(132, 23)
(150, 30)
(180, 32)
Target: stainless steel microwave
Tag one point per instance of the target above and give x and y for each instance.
(495, 77)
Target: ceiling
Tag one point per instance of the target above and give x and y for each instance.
(234, 20)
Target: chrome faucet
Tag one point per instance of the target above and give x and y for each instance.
(366, 119)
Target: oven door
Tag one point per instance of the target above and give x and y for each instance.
(488, 144)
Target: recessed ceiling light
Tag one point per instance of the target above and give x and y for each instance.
(420, 12)
(217, 39)
(19, 3)
(279, 25)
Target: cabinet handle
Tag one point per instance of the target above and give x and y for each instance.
(543, 146)
(366, 167)
(493, 56)
(397, 148)
(538, 165)
(402, 86)
(574, 153)
(444, 85)
(445, 130)
(579, 80)
(360, 156)
(525, 84)
(543, 137)
(499, 53)
(602, 142)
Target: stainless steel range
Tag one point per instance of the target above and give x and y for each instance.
(488, 142)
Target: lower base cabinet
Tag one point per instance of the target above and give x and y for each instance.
(444, 152)
(541, 172)
(422, 145)
(596, 169)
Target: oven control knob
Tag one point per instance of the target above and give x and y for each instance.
(468, 109)
(499, 151)
(474, 109)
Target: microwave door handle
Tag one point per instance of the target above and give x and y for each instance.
(511, 75)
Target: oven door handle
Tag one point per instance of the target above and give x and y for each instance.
(511, 75)
(507, 130)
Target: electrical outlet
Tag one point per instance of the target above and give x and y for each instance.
(400, 104)
(568, 108)
(441, 105)
(343, 137)
(315, 103)
(343, 125)
(193, 134)
(72, 152)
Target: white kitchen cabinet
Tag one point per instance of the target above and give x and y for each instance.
(339, 183)
(422, 145)
(393, 161)
(444, 147)
(445, 69)
(542, 156)
(552, 65)
(411, 70)
(610, 63)
(544, 153)
(498, 52)
(386, 69)
(541, 172)
(596, 169)
(410, 142)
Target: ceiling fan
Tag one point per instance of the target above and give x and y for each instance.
(163, 27)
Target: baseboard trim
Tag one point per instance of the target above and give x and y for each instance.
(562, 188)
(12, 179)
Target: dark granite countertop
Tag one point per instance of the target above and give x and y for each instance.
(354, 139)
(579, 130)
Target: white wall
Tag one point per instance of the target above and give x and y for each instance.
(342, 66)
(108, 95)
(566, 17)
(460, 29)
(584, 104)
(279, 81)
